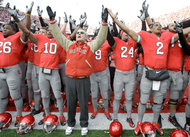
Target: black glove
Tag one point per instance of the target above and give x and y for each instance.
(12, 12)
(29, 9)
(39, 11)
(72, 22)
(178, 27)
(51, 13)
(145, 8)
(142, 15)
(85, 26)
(82, 19)
(104, 14)
(65, 18)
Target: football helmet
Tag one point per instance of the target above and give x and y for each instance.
(5, 120)
(115, 129)
(26, 124)
(147, 130)
(178, 133)
(50, 123)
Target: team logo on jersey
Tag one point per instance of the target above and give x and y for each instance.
(84, 46)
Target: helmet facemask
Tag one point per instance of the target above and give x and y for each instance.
(48, 127)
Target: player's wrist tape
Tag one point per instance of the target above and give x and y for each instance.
(52, 21)
(104, 23)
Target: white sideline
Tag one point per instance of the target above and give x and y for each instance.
(101, 122)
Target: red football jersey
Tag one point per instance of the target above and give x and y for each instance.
(141, 59)
(49, 50)
(155, 49)
(24, 54)
(62, 56)
(101, 58)
(175, 56)
(30, 51)
(10, 49)
(125, 54)
(187, 62)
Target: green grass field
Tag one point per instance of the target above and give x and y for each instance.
(76, 133)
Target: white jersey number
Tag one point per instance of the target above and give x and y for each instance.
(35, 48)
(160, 46)
(179, 45)
(98, 54)
(52, 48)
(124, 50)
(6, 47)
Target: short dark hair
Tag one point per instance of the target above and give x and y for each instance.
(13, 25)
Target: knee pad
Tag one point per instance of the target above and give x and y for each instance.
(172, 102)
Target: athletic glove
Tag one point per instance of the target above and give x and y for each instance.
(104, 14)
(82, 19)
(29, 9)
(51, 13)
(142, 15)
(178, 27)
(65, 18)
(145, 8)
(13, 12)
(39, 11)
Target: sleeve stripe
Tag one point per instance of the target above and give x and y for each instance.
(23, 42)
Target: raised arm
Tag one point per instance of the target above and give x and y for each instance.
(82, 21)
(185, 45)
(176, 36)
(59, 37)
(63, 29)
(130, 32)
(25, 32)
(42, 23)
(110, 39)
(102, 34)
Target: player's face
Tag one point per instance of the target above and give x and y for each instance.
(43, 31)
(8, 30)
(156, 28)
(81, 35)
(49, 34)
(171, 27)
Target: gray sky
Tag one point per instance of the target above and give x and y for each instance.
(127, 9)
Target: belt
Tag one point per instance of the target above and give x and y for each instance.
(78, 77)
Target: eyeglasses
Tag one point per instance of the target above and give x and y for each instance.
(80, 32)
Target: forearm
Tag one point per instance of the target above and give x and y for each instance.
(63, 30)
(28, 21)
(185, 45)
(149, 22)
(100, 39)
(143, 25)
(42, 22)
(110, 39)
(185, 32)
(26, 34)
(59, 37)
(115, 31)
(73, 34)
(130, 32)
